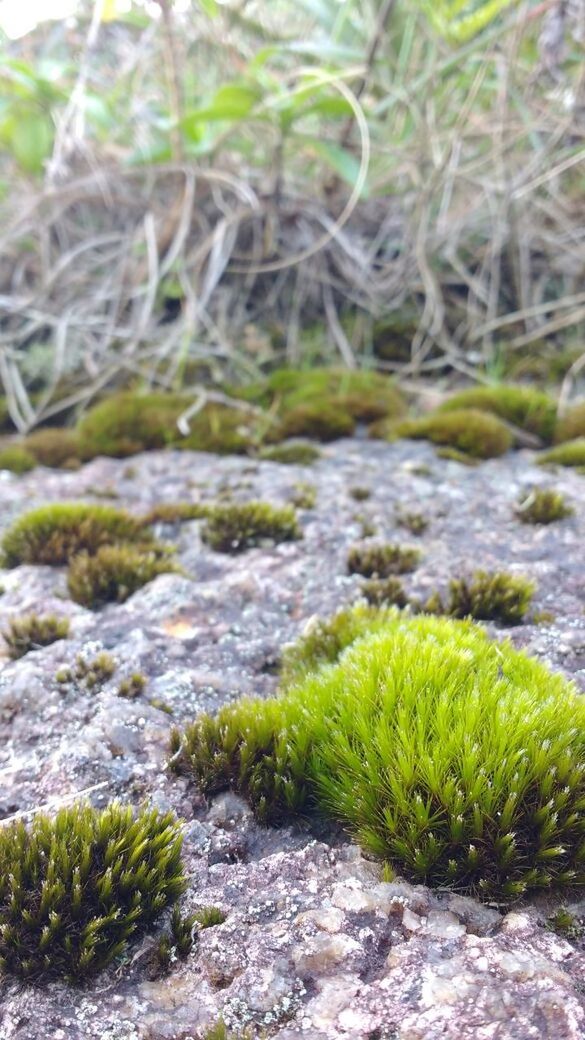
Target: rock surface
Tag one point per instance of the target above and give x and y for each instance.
(314, 944)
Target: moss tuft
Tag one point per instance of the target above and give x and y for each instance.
(133, 686)
(571, 453)
(113, 574)
(469, 431)
(16, 458)
(53, 534)
(416, 523)
(572, 425)
(381, 560)
(238, 526)
(76, 889)
(325, 422)
(324, 639)
(174, 513)
(522, 406)
(127, 423)
(363, 395)
(291, 454)
(456, 759)
(359, 493)
(32, 632)
(304, 495)
(88, 675)
(543, 506)
(56, 448)
(487, 596)
(384, 592)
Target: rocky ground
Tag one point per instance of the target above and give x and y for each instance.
(314, 944)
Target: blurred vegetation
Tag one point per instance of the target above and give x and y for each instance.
(193, 193)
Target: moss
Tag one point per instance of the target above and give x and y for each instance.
(416, 523)
(325, 422)
(384, 592)
(522, 406)
(174, 513)
(77, 889)
(209, 916)
(88, 675)
(572, 425)
(55, 533)
(363, 395)
(453, 455)
(488, 596)
(16, 458)
(133, 686)
(56, 448)
(32, 632)
(235, 527)
(381, 560)
(324, 639)
(454, 758)
(571, 453)
(223, 430)
(124, 424)
(358, 493)
(543, 506)
(564, 923)
(304, 495)
(113, 574)
(470, 431)
(291, 454)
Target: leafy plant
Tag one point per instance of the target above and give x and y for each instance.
(76, 889)
(32, 632)
(454, 758)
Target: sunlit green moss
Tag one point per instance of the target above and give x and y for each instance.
(237, 526)
(571, 453)
(32, 632)
(15, 458)
(543, 506)
(474, 433)
(524, 407)
(456, 759)
(53, 534)
(113, 573)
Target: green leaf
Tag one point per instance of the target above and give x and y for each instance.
(234, 101)
(343, 162)
(31, 140)
(210, 7)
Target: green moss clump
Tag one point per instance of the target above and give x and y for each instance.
(416, 523)
(124, 424)
(235, 527)
(16, 458)
(384, 592)
(456, 759)
(174, 513)
(76, 889)
(497, 596)
(359, 493)
(572, 425)
(127, 423)
(571, 453)
(55, 533)
(293, 453)
(56, 448)
(543, 506)
(564, 923)
(88, 675)
(524, 407)
(325, 422)
(363, 395)
(324, 639)
(382, 560)
(304, 495)
(133, 686)
(469, 431)
(32, 632)
(113, 574)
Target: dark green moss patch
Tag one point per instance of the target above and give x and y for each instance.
(292, 453)
(56, 448)
(384, 592)
(133, 686)
(75, 890)
(88, 674)
(522, 406)
(114, 573)
(543, 506)
(487, 596)
(414, 522)
(469, 431)
(235, 527)
(571, 453)
(16, 458)
(323, 422)
(453, 758)
(572, 425)
(32, 632)
(53, 534)
(382, 560)
(127, 423)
